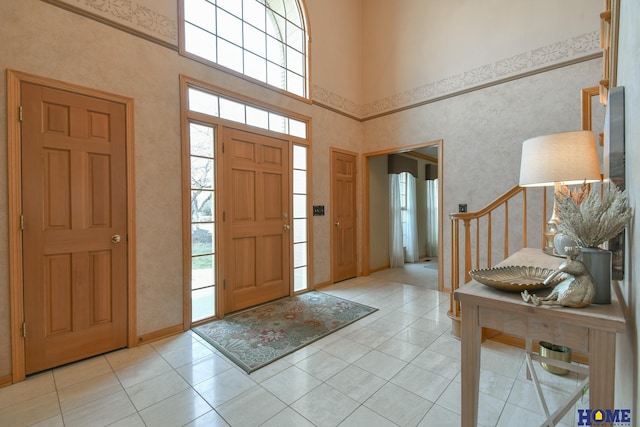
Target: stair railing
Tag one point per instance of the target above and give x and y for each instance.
(472, 258)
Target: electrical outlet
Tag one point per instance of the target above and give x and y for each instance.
(462, 207)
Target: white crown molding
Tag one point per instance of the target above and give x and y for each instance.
(523, 64)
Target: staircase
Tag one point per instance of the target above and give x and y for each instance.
(493, 233)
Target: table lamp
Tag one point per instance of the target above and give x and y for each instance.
(566, 158)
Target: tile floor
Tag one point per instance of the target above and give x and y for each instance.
(396, 367)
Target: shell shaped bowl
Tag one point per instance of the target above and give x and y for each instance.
(515, 278)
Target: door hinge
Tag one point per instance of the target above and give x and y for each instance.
(24, 329)
(223, 147)
(21, 222)
(20, 113)
(224, 216)
(224, 284)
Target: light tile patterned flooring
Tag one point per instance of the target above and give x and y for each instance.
(396, 367)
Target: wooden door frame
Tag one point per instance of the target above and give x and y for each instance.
(331, 194)
(14, 187)
(366, 242)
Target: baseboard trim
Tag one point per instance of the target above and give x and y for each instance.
(160, 334)
(6, 380)
(323, 284)
(384, 267)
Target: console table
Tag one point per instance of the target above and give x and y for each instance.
(591, 330)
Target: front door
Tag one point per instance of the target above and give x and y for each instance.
(343, 182)
(74, 198)
(257, 219)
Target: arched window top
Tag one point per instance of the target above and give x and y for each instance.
(266, 40)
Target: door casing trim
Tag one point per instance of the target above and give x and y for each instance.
(14, 187)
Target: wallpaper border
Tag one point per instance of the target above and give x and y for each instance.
(556, 55)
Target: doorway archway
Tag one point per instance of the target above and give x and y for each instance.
(417, 150)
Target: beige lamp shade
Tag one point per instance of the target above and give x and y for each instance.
(568, 158)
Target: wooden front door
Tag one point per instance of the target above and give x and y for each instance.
(344, 219)
(257, 221)
(74, 198)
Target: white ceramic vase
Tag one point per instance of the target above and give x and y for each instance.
(598, 262)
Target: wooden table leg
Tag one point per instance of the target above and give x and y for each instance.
(602, 359)
(471, 334)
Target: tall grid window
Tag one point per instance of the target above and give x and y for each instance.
(404, 214)
(262, 39)
(203, 261)
(300, 246)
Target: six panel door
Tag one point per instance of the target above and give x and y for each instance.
(74, 237)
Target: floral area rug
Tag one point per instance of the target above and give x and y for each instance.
(256, 337)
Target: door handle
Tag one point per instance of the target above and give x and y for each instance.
(286, 227)
(115, 238)
(337, 223)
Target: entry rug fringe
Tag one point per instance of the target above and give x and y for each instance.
(256, 337)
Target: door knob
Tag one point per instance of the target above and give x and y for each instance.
(286, 227)
(115, 238)
(337, 223)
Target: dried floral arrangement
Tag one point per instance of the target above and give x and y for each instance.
(590, 219)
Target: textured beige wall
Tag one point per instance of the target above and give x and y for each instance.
(628, 348)
(483, 132)
(436, 40)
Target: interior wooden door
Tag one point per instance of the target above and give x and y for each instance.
(74, 234)
(257, 220)
(344, 217)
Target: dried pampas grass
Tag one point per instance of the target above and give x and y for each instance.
(592, 220)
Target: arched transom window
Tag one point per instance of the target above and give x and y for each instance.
(265, 40)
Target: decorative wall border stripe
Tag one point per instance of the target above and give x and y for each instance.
(128, 13)
(556, 55)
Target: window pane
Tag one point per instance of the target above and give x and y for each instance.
(295, 37)
(202, 239)
(295, 83)
(299, 206)
(203, 102)
(254, 14)
(295, 61)
(199, 42)
(229, 27)
(275, 51)
(202, 206)
(297, 128)
(257, 117)
(233, 6)
(299, 157)
(276, 26)
(232, 110)
(300, 279)
(299, 230)
(255, 67)
(203, 304)
(230, 55)
(277, 123)
(293, 13)
(300, 182)
(201, 13)
(202, 268)
(202, 173)
(275, 75)
(299, 255)
(201, 140)
(255, 41)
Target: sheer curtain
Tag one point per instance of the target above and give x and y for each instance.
(432, 217)
(413, 252)
(396, 251)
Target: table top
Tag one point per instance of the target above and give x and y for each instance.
(599, 316)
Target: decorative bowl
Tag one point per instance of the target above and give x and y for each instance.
(515, 278)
